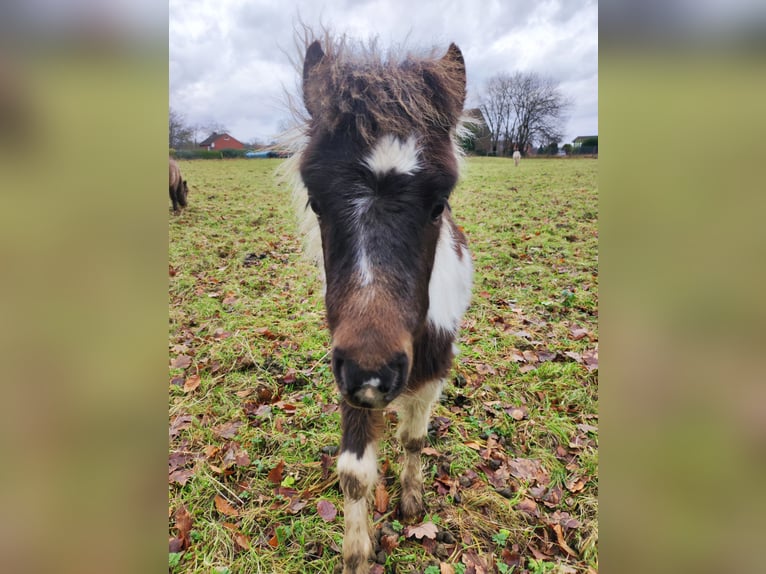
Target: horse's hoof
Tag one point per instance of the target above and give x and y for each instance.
(411, 508)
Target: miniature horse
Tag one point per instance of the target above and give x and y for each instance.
(376, 168)
(178, 188)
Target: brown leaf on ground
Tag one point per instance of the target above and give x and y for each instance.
(562, 541)
(445, 568)
(546, 356)
(552, 498)
(530, 356)
(517, 413)
(576, 483)
(517, 355)
(326, 510)
(590, 358)
(179, 459)
(527, 368)
(577, 333)
(219, 334)
(528, 469)
(181, 362)
(377, 569)
(296, 505)
(275, 474)
(474, 563)
(235, 455)
(529, 506)
(180, 476)
(191, 383)
(266, 333)
(564, 519)
(577, 357)
(183, 527)
(388, 542)
(241, 541)
(427, 529)
(224, 506)
(227, 430)
(381, 498)
(179, 423)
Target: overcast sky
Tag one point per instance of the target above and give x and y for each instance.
(229, 58)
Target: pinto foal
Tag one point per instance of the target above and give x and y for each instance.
(376, 168)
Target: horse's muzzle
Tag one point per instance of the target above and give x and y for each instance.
(369, 388)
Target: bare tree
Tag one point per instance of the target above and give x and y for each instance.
(523, 109)
(495, 107)
(179, 134)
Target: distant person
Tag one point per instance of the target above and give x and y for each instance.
(516, 155)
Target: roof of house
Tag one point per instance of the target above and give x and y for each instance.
(214, 136)
(580, 139)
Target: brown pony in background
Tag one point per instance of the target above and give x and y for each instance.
(178, 188)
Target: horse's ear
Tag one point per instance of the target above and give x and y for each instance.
(314, 55)
(454, 57)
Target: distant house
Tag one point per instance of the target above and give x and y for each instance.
(221, 141)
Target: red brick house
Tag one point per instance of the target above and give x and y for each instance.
(221, 141)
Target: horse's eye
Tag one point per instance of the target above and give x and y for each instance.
(314, 206)
(437, 210)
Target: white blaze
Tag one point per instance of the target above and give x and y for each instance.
(392, 154)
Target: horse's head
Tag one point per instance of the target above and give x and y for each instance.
(379, 167)
(183, 193)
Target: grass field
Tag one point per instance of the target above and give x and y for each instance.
(511, 465)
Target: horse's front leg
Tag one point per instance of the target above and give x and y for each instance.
(414, 414)
(358, 474)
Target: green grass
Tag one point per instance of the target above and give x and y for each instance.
(246, 308)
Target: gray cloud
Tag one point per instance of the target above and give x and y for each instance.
(229, 59)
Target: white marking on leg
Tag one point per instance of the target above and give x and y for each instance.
(364, 468)
(449, 291)
(357, 545)
(414, 414)
(392, 154)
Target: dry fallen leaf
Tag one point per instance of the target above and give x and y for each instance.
(562, 542)
(183, 526)
(576, 484)
(180, 476)
(326, 510)
(426, 529)
(181, 362)
(381, 498)
(578, 333)
(224, 507)
(192, 383)
(242, 541)
(227, 430)
(275, 474)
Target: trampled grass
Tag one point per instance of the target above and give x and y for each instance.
(511, 468)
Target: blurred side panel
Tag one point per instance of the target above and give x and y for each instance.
(682, 251)
(83, 296)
